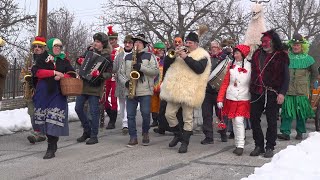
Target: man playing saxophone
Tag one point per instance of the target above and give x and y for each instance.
(139, 90)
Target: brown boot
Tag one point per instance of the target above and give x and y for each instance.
(145, 139)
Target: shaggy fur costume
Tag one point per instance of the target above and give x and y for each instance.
(182, 85)
(255, 29)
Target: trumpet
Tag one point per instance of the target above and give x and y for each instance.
(173, 53)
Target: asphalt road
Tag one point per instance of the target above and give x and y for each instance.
(111, 159)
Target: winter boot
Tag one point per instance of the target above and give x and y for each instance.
(36, 137)
(257, 151)
(238, 151)
(52, 144)
(177, 136)
(155, 120)
(113, 118)
(92, 140)
(84, 137)
(223, 135)
(185, 141)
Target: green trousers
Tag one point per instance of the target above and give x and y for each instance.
(285, 127)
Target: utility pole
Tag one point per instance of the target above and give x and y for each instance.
(290, 19)
(42, 18)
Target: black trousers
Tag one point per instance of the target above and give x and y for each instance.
(163, 123)
(272, 112)
(209, 102)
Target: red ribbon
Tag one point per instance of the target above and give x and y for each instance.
(242, 70)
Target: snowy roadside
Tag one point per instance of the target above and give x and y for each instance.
(12, 121)
(295, 162)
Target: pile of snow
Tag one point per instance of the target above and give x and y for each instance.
(18, 119)
(298, 162)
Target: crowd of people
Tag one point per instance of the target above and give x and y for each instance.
(172, 80)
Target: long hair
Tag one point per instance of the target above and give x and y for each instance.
(276, 41)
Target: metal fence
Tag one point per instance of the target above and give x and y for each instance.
(13, 85)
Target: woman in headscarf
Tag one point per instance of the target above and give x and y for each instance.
(51, 107)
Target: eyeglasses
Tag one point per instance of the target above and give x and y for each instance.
(57, 46)
(128, 42)
(37, 46)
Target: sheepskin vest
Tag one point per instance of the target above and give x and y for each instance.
(182, 85)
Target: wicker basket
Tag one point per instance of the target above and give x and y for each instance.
(71, 86)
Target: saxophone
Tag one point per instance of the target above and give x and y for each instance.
(27, 78)
(134, 75)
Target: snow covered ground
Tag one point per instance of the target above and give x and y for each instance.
(18, 119)
(298, 162)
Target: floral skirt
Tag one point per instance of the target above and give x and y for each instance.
(233, 109)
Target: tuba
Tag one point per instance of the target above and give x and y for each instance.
(134, 75)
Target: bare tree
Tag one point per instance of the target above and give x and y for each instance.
(12, 23)
(293, 16)
(62, 25)
(162, 19)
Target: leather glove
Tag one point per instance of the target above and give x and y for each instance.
(95, 73)
(220, 105)
(80, 60)
(127, 84)
(137, 66)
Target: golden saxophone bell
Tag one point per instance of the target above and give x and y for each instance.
(27, 77)
(134, 75)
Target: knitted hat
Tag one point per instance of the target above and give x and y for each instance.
(2, 42)
(111, 33)
(192, 36)
(244, 49)
(102, 37)
(40, 40)
(159, 45)
(140, 37)
(128, 38)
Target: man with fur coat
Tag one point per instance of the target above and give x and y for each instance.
(184, 86)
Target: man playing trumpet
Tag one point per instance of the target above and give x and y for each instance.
(184, 86)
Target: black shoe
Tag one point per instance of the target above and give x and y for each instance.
(231, 135)
(285, 137)
(83, 138)
(238, 151)
(158, 130)
(110, 126)
(92, 140)
(268, 153)
(154, 124)
(125, 131)
(49, 154)
(224, 137)
(101, 124)
(185, 141)
(299, 136)
(257, 151)
(207, 141)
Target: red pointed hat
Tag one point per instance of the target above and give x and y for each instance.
(244, 49)
(39, 40)
(111, 33)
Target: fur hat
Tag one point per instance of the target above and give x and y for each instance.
(128, 38)
(2, 42)
(40, 40)
(140, 37)
(192, 36)
(102, 37)
(244, 49)
(112, 34)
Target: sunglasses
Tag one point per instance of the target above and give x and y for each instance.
(37, 46)
(57, 46)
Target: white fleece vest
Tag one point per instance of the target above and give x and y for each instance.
(182, 85)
